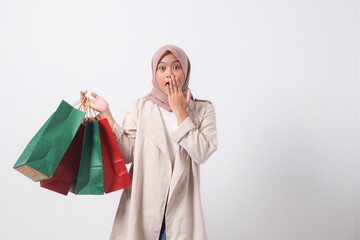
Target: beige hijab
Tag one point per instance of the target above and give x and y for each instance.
(156, 95)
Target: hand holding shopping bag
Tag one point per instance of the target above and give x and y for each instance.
(89, 162)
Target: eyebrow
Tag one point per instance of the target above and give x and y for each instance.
(172, 62)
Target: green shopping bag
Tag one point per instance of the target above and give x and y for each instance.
(89, 179)
(45, 150)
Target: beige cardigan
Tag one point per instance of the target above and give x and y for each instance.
(143, 141)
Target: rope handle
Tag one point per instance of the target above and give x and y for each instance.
(84, 105)
(90, 112)
(81, 102)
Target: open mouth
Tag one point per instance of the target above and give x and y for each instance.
(167, 83)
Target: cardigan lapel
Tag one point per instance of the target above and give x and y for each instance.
(154, 128)
(182, 158)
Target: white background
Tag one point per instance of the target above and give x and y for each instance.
(283, 77)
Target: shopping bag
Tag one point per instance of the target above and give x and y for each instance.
(44, 152)
(68, 167)
(116, 176)
(89, 178)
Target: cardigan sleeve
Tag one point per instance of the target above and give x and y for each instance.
(199, 142)
(125, 134)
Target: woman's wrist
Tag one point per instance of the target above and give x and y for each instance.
(181, 117)
(109, 117)
(106, 114)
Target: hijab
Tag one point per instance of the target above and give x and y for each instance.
(156, 95)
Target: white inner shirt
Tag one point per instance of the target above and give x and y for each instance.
(171, 124)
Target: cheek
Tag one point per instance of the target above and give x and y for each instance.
(160, 82)
(158, 78)
(182, 84)
(181, 80)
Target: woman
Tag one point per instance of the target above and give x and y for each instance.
(165, 136)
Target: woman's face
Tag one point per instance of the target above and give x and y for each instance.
(169, 65)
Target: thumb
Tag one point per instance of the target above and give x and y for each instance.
(95, 95)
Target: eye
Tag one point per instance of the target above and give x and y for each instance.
(162, 68)
(176, 66)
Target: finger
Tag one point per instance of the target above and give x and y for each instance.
(95, 95)
(168, 90)
(176, 86)
(171, 85)
(82, 94)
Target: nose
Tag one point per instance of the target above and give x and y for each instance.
(169, 72)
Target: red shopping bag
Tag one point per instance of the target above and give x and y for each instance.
(116, 176)
(67, 169)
